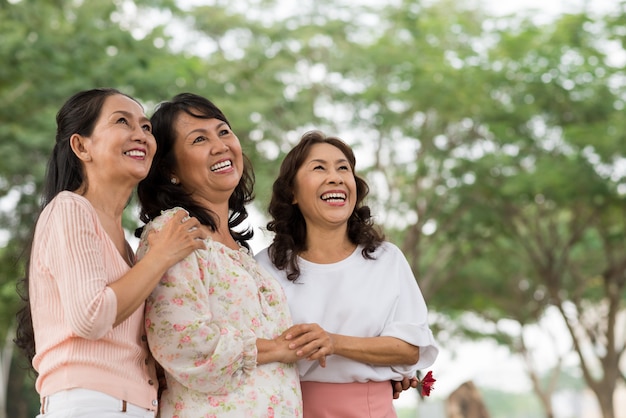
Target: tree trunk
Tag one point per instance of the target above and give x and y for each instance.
(605, 400)
(466, 402)
(6, 355)
(19, 398)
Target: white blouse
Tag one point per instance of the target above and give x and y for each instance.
(362, 298)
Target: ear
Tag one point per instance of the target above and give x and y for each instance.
(294, 200)
(80, 147)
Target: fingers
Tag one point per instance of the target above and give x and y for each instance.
(310, 341)
(187, 226)
(396, 392)
(398, 387)
(180, 236)
(181, 216)
(193, 233)
(401, 386)
(311, 344)
(299, 330)
(322, 361)
(303, 334)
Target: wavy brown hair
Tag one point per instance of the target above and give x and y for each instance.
(287, 222)
(156, 193)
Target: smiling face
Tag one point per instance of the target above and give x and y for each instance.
(121, 147)
(325, 187)
(209, 159)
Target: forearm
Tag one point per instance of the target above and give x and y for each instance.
(135, 286)
(379, 351)
(161, 249)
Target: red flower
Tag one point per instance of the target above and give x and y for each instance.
(427, 383)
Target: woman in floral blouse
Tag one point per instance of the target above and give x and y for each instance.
(217, 323)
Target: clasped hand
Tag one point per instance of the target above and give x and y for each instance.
(308, 341)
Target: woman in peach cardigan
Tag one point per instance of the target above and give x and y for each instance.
(84, 291)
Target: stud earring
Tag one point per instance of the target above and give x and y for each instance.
(174, 180)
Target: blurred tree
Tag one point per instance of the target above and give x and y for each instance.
(492, 145)
(555, 185)
(50, 49)
(497, 158)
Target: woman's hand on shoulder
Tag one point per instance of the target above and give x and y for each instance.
(179, 237)
(310, 341)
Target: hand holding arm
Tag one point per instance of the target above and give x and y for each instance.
(311, 342)
(179, 237)
(302, 340)
(314, 343)
(275, 350)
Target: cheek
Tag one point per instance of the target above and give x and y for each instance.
(241, 162)
(152, 149)
(354, 193)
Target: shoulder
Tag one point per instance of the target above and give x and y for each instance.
(389, 255)
(263, 258)
(70, 199)
(263, 255)
(390, 247)
(159, 222)
(386, 250)
(155, 225)
(67, 207)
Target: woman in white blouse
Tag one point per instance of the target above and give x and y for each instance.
(337, 271)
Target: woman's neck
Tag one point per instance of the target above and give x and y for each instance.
(222, 232)
(326, 247)
(110, 208)
(110, 203)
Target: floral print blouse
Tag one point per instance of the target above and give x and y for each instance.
(202, 322)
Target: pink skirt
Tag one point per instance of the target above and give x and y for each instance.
(347, 400)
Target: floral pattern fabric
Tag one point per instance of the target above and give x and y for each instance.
(202, 322)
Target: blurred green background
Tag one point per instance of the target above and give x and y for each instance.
(493, 143)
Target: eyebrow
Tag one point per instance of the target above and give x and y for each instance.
(320, 160)
(203, 130)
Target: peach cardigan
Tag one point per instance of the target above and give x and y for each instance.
(73, 261)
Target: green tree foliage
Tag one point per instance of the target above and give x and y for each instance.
(493, 145)
(50, 50)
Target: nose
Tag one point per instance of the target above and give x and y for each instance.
(335, 177)
(141, 135)
(219, 146)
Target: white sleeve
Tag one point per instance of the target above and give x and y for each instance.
(409, 320)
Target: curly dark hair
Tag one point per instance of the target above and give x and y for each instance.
(78, 115)
(156, 192)
(287, 222)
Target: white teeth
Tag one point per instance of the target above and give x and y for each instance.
(334, 197)
(135, 153)
(222, 165)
